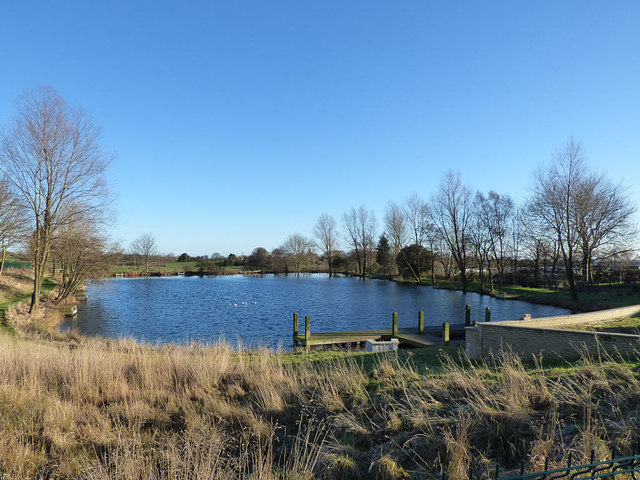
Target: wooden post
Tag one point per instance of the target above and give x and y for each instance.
(394, 324)
(295, 323)
(445, 333)
(467, 315)
(420, 321)
(487, 314)
(307, 331)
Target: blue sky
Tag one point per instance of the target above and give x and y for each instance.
(235, 124)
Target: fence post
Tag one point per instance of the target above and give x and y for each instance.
(467, 315)
(487, 314)
(307, 330)
(394, 324)
(420, 321)
(295, 323)
(445, 333)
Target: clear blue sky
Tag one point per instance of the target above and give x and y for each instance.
(237, 123)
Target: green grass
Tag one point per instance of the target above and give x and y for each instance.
(47, 284)
(422, 359)
(5, 327)
(590, 298)
(623, 325)
(11, 264)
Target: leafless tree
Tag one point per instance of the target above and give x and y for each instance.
(580, 210)
(517, 231)
(480, 238)
(556, 194)
(360, 231)
(12, 221)
(603, 215)
(417, 216)
(298, 250)
(51, 159)
(396, 228)
(451, 213)
(80, 251)
(145, 247)
(326, 233)
(496, 212)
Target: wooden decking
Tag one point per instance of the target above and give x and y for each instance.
(407, 336)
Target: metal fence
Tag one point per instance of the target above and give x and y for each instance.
(626, 467)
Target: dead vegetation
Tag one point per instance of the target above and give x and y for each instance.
(105, 409)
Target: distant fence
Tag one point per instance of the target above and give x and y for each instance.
(16, 264)
(624, 467)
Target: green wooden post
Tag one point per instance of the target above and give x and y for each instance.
(394, 324)
(445, 333)
(467, 315)
(307, 330)
(295, 323)
(420, 321)
(487, 314)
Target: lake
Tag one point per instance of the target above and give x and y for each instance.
(257, 310)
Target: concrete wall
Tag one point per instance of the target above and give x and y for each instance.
(537, 336)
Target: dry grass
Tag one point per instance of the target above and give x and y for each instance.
(89, 408)
(105, 409)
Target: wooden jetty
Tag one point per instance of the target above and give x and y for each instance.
(416, 337)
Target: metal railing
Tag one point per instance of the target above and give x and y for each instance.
(606, 469)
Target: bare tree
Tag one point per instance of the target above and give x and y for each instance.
(451, 213)
(603, 219)
(496, 212)
(145, 247)
(79, 250)
(480, 238)
(396, 228)
(517, 234)
(555, 197)
(417, 218)
(360, 231)
(298, 250)
(51, 159)
(12, 217)
(326, 232)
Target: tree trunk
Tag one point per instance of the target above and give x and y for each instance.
(588, 278)
(433, 269)
(490, 275)
(4, 256)
(463, 278)
(39, 265)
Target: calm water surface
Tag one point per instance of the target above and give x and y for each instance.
(258, 310)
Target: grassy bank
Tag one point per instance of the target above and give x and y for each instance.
(590, 297)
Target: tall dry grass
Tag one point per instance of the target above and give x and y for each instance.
(105, 409)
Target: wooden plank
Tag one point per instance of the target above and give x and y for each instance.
(419, 340)
(410, 336)
(328, 338)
